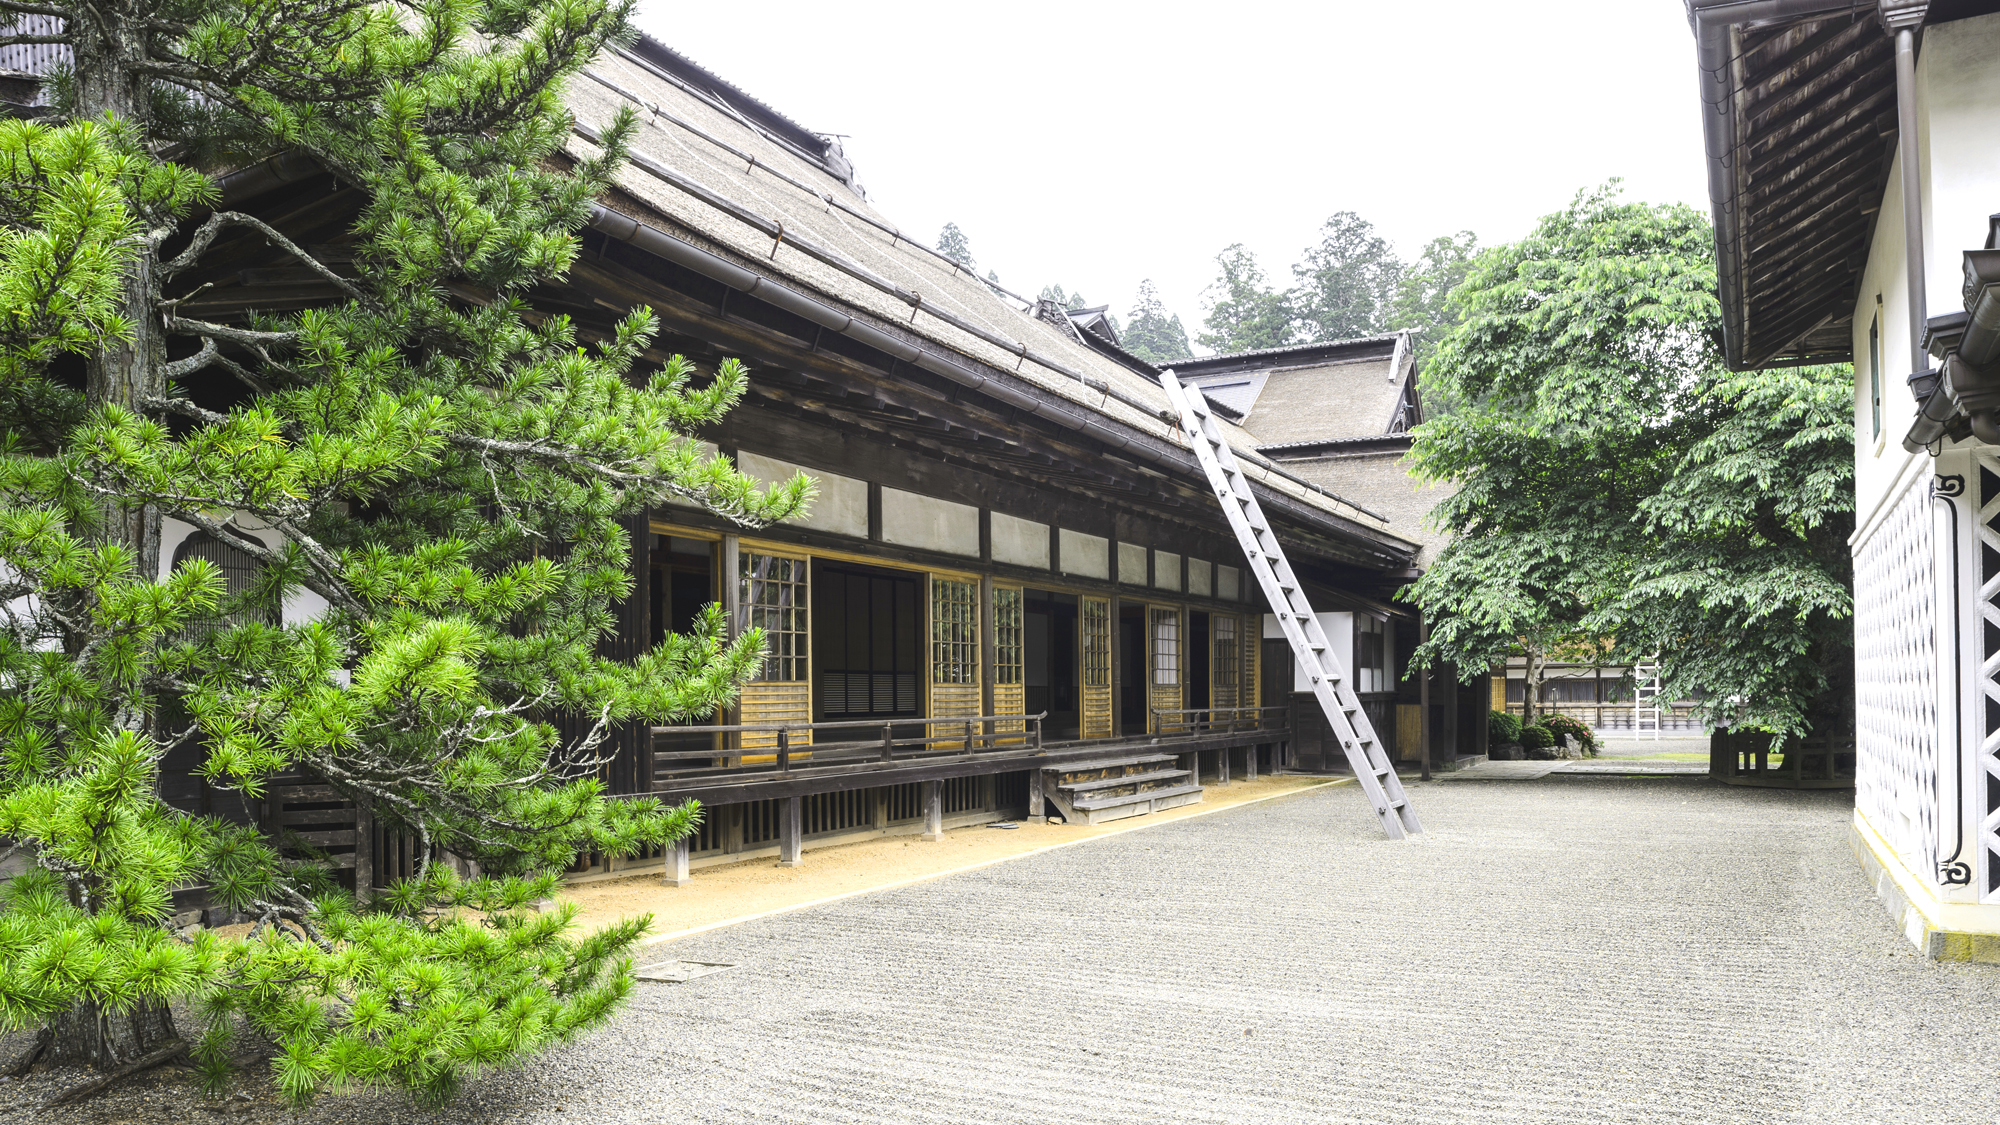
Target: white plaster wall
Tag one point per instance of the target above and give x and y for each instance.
(1958, 116)
(842, 505)
(1200, 578)
(1131, 564)
(1020, 542)
(1166, 570)
(1228, 583)
(1086, 555)
(1339, 627)
(912, 520)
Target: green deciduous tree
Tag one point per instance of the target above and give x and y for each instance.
(440, 465)
(1244, 313)
(1151, 332)
(1616, 490)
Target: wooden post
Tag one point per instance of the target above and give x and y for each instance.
(986, 646)
(1250, 763)
(791, 840)
(1035, 795)
(364, 854)
(785, 750)
(732, 829)
(1222, 766)
(933, 810)
(731, 584)
(1424, 707)
(677, 863)
(888, 742)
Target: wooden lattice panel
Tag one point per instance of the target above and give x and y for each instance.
(1167, 659)
(1095, 695)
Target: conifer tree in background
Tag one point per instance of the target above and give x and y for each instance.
(1344, 283)
(1151, 332)
(953, 244)
(1070, 301)
(1244, 313)
(1422, 302)
(446, 475)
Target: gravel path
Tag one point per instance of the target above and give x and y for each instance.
(1649, 949)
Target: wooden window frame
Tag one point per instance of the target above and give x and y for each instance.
(788, 651)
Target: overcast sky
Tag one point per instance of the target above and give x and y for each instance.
(1092, 145)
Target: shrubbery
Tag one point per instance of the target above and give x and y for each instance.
(1565, 727)
(1502, 728)
(1537, 738)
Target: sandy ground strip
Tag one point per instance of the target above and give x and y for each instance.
(730, 893)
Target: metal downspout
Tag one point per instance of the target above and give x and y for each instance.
(1904, 22)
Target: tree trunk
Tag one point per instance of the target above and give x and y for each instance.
(1531, 684)
(90, 1036)
(124, 373)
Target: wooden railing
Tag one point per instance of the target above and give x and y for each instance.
(1220, 720)
(975, 734)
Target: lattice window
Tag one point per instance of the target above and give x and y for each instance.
(1371, 654)
(1166, 647)
(239, 578)
(1896, 752)
(1227, 666)
(1006, 635)
(774, 600)
(1096, 642)
(954, 632)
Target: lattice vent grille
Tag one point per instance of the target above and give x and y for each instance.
(1986, 528)
(1896, 753)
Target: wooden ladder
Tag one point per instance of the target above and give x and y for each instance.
(1330, 683)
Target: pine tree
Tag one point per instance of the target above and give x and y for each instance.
(1244, 313)
(442, 466)
(1345, 283)
(1151, 332)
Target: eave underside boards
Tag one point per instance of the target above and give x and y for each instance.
(1815, 121)
(799, 374)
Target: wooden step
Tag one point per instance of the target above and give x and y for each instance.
(1108, 768)
(1087, 788)
(1098, 810)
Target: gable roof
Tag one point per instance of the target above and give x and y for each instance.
(1313, 394)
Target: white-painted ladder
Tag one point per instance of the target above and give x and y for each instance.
(1330, 683)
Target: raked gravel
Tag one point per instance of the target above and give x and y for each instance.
(1571, 949)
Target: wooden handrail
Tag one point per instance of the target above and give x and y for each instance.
(839, 724)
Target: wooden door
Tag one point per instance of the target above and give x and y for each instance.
(775, 595)
(1009, 684)
(1225, 666)
(1094, 667)
(954, 655)
(1165, 659)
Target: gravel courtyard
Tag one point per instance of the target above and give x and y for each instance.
(1573, 948)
